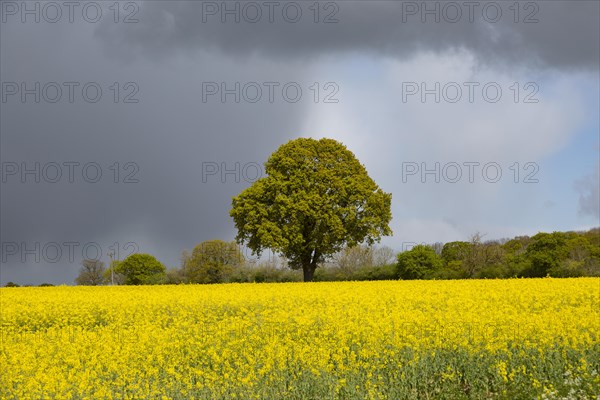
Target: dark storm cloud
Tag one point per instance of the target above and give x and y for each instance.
(556, 34)
(168, 136)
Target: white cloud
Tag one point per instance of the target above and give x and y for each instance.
(383, 131)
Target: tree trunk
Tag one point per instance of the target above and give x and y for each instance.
(309, 271)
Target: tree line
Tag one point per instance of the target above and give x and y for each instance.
(556, 254)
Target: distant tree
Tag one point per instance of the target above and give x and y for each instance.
(211, 261)
(546, 252)
(453, 255)
(315, 199)
(185, 256)
(515, 259)
(492, 260)
(350, 259)
(420, 262)
(12, 284)
(91, 273)
(593, 236)
(583, 258)
(175, 276)
(517, 245)
(455, 251)
(579, 247)
(592, 262)
(141, 269)
(474, 258)
(45, 284)
(274, 269)
(384, 255)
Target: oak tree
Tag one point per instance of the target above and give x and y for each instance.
(315, 199)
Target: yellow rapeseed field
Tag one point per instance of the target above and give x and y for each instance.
(512, 339)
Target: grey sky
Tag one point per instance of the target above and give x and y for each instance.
(170, 132)
(556, 34)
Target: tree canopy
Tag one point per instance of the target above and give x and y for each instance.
(211, 261)
(315, 199)
(420, 262)
(141, 269)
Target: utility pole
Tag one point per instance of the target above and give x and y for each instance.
(111, 254)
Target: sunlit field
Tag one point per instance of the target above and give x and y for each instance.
(508, 339)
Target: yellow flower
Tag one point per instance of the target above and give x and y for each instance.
(256, 340)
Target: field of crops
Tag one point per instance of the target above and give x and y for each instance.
(512, 339)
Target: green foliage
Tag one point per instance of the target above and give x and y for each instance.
(12, 284)
(516, 245)
(455, 251)
(263, 272)
(316, 199)
(266, 273)
(493, 271)
(363, 273)
(568, 269)
(557, 254)
(375, 273)
(211, 261)
(141, 269)
(421, 262)
(593, 237)
(516, 264)
(491, 260)
(546, 252)
(450, 270)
